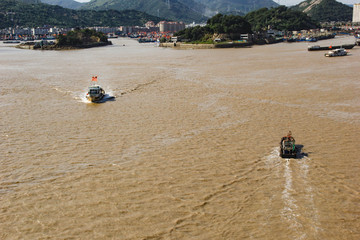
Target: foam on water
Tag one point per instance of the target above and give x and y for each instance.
(293, 210)
(290, 210)
(314, 216)
(81, 97)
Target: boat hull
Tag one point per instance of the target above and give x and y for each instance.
(95, 93)
(95, 98)
(288, 148)
(336, 53)
(288, 154)
(318, 48)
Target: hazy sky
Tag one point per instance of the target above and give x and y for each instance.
(282, 2)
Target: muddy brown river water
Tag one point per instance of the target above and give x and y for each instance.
(189, 147)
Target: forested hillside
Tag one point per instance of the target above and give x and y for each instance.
(15, 13)
(245, 6)
(325, 10)
(280, 18)
(64, 3)
(179, 10)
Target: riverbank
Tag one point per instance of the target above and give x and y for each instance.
(250, 41)
(46, 46)
(204, 46)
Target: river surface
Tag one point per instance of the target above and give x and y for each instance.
(187, 150)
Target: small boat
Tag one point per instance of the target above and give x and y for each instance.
(311, 39)
(112, 35)
(288, 148)
(95, 92)
(336, 53)
(146, 40)
(291, 39)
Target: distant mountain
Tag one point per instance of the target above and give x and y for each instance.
(245, 6)
(38, 15)
(64, 3)
(29, 1)
(325, 10)
(193, 5)
(180, 10)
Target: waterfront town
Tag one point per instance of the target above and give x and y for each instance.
(163, 31)
(149, 32)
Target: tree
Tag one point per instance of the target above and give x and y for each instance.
(81, 36)
(280, 18)
(219, 24)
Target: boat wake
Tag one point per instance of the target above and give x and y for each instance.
(107, 97)
(298, 209)
(290, 211)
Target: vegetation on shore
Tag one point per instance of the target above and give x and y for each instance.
(280, 18)
(81, 37)
(219, 24)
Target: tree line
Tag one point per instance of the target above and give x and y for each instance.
(280, 18)
(81, 37)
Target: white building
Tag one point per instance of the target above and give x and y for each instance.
(356, 13)
(170, 26)
(150, 24)
(107, 30)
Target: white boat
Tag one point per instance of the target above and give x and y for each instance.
(95, 92)
(336, 53)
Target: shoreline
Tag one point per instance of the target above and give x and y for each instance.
(239, 44)
(32, 45)
(205, 46)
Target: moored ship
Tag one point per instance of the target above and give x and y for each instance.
(318, 48)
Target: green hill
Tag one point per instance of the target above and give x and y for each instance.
(37, 15)
(230, 26)
(280, 18)
(245, 6)
(179, 10)
(64, 3)
(325, 10)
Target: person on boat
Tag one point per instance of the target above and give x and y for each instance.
(288, 137)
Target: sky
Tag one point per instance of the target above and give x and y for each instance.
(282, 2)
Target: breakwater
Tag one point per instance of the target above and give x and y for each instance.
(204, 46)
(47, 46)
